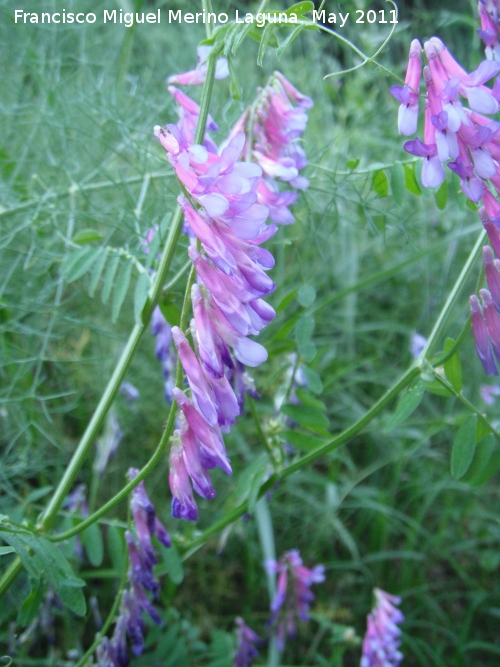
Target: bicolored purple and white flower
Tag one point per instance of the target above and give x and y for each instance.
(381, 642)
(225, 213)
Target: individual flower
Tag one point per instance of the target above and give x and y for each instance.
(293, 595)
(417, 344)
(381, 642)
(247, 641)
(408, 94)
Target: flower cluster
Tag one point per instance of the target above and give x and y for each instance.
(293, 594)
(246, 642)
(452, 131)
(226, 209)
(135, 601)
(381, 642)
(469, 143)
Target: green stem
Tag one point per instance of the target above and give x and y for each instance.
(102, 632)
(111, 390)
(453, 296)
(328, 447)
(261, 433)
(465, 401)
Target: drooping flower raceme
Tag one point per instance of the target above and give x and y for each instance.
(228, 201)
(468, 142)
(293, 595)
(381, 643)
(135, 601)
(247, 641)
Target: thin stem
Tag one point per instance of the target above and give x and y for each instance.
(453, 296)
(75, 188)
(470, 406)
(109, 620)
(261, 433)
(328, 447)
(111, 390)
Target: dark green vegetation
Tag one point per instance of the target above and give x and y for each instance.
(76, 153)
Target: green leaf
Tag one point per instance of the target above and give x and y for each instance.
(313, 380)
(438, 389)
(453, 367)
(73, 598)
(407, 404)
(72, 259)
(300, 8)
(141, 296)
(92, 541)
(239, 39)
(264, 42)
(410, 179)
(87, 236)
(109, 278)
(76, 269)
(31, 604)
(234, 86)
(308, 351)
(121, 289)
(306, 296)
(352, 164)
(171, 312)
(29, 563)
(229, 39)
(485, 463)
(173, 563)
(441, 196)
(304, 330)
(398, 182)
(380, 183)
(256, 482)
(286, 43)
(307, 398)
(310, 418)
(464, 447)
(116, 547)
(302, 440)
(287, 300)
(7, 550)
(97, 270)
(470, 204)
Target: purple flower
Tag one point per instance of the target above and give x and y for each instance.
(408, 94)
(129, 392)
(482, 336)
(227, 210)
(293, 595)
(135, 601)
(246, 650)
(381, 642)
(417, 344)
